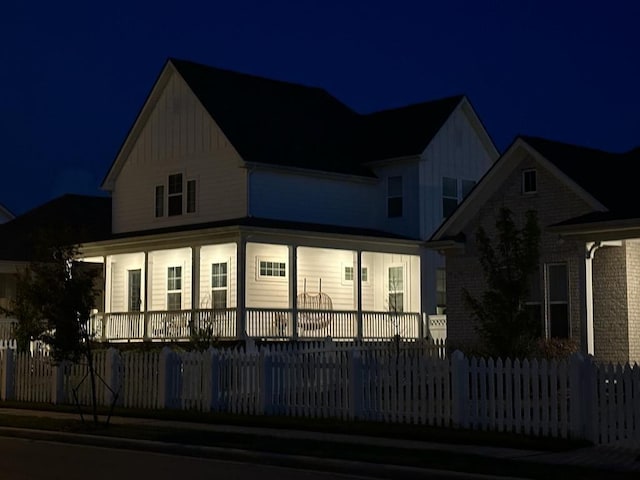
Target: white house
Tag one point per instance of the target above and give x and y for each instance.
(262, 208)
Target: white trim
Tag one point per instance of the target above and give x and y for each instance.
(272, 278)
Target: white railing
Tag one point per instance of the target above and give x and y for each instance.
(390, 324)
(573, 398)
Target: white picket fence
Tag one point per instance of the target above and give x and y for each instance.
(576, 398)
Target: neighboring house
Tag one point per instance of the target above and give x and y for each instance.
(5, 214)
(74, 218)
(280, 209)
(588, 287)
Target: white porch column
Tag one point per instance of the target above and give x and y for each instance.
(195, 281)
(586, 285)
(293, 288)
(147, 294)
(107, 284)
(241, 262)
(357, 282)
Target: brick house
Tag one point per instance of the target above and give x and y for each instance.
(588, 288)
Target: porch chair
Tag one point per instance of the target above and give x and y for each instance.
(316, 308)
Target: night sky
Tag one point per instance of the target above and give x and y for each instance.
(74, 75)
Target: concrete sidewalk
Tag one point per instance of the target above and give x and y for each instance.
(623, 457)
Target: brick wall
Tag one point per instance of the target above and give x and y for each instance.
(554, 202)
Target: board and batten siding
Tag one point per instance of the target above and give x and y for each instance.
(310, 197)
(457, 151)
(178, 136)
(406, 224)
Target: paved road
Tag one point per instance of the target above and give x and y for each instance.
(22, 459)
(31, 459)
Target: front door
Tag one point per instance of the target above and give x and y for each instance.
(135, 300)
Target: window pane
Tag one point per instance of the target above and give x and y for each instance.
(174, 301)
(191, 196)
(467, 185)
(219, 299)
(448, 206)
(395, 186)
(529, 181)
(175, 205)
(557, 283)
(175, 183)
(159, 200)
(441, 287)
(395, 279)
(449, 187)
(559, 320)
(348, 273)
(396, 302)
(394, 207)
(364, 275)
(219, 275)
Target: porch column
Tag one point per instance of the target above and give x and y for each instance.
(293, 288)
(586, 286)
(107, 284)
(241, 262)
(147, 293)
(195, 282)
(357, 276)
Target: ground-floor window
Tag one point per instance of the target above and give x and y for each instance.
(396, 289)
(558, 301)
(219, 282)
(174, 288)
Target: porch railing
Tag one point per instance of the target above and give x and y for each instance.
(264, 323)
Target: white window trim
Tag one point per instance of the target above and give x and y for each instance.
(548, 302)
(228, 287)
(404, 291)
(180, 291)
(344, 281)
(269, 278)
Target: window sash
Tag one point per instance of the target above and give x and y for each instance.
(529, 181)
(394, 197)
(219, 275)
(273, 269)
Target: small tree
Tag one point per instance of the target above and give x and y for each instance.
(505, 326)
(54, 299)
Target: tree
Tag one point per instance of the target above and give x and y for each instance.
(54, 299)
(505, 326)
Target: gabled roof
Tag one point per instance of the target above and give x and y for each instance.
(71, 218)
(607, 176)
(603, 179)
(286, 124)
(5, 214)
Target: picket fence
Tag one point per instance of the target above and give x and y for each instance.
(573, 398)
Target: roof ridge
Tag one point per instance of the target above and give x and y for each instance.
(450, 98)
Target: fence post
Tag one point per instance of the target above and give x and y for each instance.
(57, 381)
(8, 375)
(266, 383)
(112, 377)
(355, 385)
(165, 378)
(459, 389)
(215, 379)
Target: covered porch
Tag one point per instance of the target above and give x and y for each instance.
(238, 284)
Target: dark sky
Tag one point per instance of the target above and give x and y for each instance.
(73, 75)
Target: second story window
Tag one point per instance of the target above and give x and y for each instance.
(394, 197)
(449, 195)
(529, 181)
(175, 195)
(169, 197)
(453, 192)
